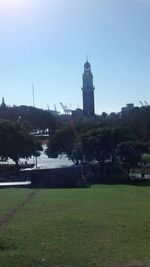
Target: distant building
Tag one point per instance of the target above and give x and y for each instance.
(77, 114)
(88, 91)
(3, 105)
(129, 107)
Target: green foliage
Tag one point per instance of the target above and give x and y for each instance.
(130, 154)
(146, 158)
(37, 118)
(115, 139)
(61, 142)
(108, 145)
(17, 142)
(100, 144)
(138, 121)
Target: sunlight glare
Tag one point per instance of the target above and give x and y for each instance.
(15, 3)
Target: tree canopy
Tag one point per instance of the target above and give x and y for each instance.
(16, 142)
(112, 141)
(38, 118)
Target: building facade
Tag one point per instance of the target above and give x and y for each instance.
(88, 91)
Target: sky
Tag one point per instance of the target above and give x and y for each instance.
(45, 42)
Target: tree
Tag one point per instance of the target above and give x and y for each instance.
(16, 142)
(65, 141)
(138, 121)
(61, 142)
(130, 154)
(108, 145)
(99, 145)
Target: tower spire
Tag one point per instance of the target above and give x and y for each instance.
(87, 58)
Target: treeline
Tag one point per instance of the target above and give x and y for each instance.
(37, 118)
(110, 146)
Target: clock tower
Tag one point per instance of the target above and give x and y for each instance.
(88, 91)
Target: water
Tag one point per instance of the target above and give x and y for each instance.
(43, 162)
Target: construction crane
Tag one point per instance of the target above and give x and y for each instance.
(146, 103)
(55, 108)
(141, 103)
(66, 110)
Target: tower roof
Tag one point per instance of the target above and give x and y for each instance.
(87, 65)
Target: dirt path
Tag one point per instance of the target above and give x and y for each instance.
(9, 216)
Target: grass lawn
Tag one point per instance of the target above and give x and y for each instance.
(101, 226)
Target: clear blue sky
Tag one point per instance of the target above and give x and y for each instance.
(45, 42)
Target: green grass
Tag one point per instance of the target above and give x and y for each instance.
(101, 226)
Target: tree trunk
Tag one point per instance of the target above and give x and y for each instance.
(17, 164)
(128, 172)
